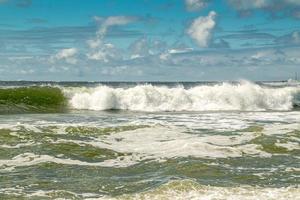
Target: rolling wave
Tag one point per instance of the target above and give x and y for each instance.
(33, 99)
(244, 96)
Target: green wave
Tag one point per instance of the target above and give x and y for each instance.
(35, 99)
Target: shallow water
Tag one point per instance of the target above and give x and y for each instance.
(126, 154)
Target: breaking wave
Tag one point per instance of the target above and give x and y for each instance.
(244, 96)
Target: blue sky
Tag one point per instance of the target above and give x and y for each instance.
(149, 40)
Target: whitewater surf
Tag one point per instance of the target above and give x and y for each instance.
(242, 96)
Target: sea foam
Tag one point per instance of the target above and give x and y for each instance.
(244, 96)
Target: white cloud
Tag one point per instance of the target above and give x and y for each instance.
(144, 47)
(121, 70)
(112, 21)
(105, 52)
(67, 55)
(296, 37)
(94, 43)
(201, 29)
(292, 38)
(260, 4)
(165, 56)
(25, 72)
(194, 5)
(246, 4)
(135, 56)
(184, 50)
(114, 70)
(118, 20)
(140, 47)
(99, 50)
(295, 2)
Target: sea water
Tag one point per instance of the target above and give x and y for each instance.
(149, 140)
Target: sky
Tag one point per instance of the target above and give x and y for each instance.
(149, 40)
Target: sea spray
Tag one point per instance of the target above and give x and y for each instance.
(244, 96)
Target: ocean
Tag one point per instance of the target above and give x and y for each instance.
(198, 140)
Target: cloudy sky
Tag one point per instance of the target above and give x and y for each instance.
(149, 40)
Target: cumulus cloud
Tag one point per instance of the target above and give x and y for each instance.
(202, 28)
(194, 5)
(67, 55)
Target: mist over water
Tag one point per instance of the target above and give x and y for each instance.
(149, 141)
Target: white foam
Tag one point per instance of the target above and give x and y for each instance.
(181, 190)
(29, 159)
(174, 190)
(243, 96)
(180, 135)
(161, 143)
(289, 145)
(20, 145)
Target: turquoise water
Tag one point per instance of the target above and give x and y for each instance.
(96, 149)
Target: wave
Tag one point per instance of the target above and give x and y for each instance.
(35, 99)
(244, 96)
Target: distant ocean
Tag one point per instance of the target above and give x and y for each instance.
(124, 140)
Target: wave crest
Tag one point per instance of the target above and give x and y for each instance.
(244, 96)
